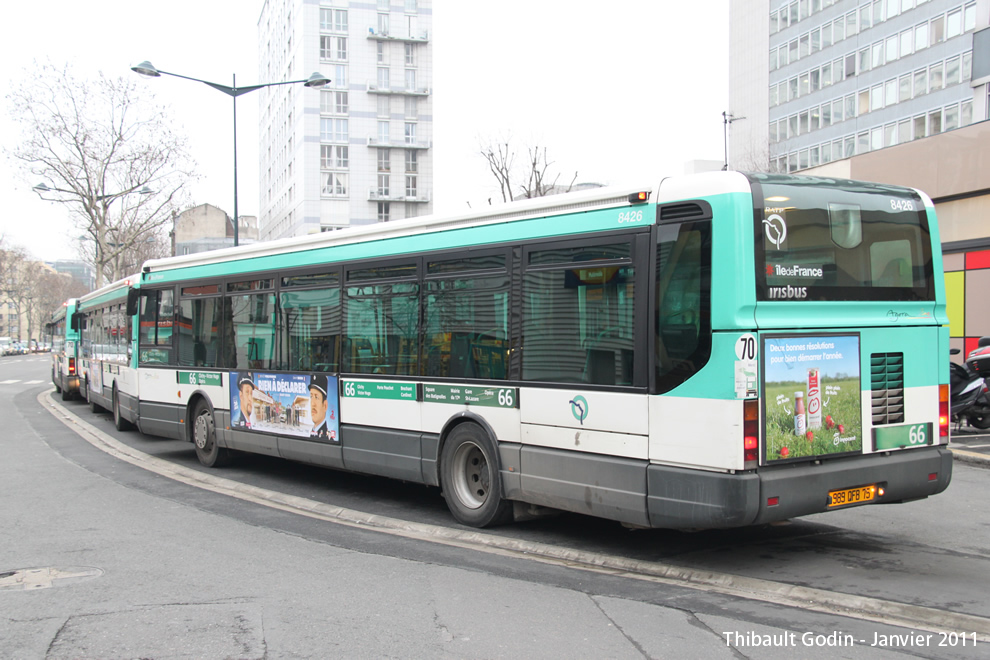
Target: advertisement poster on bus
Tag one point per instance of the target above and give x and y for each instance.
(303, 406)
(812, 395)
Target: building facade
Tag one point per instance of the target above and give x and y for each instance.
(207, 227)
(359, 150)
(815, 81)
(81, 271)
(893, 91)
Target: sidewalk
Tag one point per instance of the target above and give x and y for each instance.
(970, 446)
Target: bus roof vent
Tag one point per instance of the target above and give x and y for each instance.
(684, 211)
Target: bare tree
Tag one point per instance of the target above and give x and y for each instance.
(14, 271)
(757, 157)
(96, 142)
(153, 245)
(31, 290)
(535, 181)
(539, 183)
(51, 290)
(499, 157)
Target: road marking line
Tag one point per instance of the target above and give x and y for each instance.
(9, 382)
(811, 599)
(962, 446)
(33, 382)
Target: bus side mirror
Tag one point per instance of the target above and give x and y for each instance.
(133, 295)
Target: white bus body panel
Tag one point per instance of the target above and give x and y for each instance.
(403, 415)
(699, 433)
(603, 423)
(920, 407)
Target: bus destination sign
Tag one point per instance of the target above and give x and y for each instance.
(366, 389)
(200, 378)
(493, 397)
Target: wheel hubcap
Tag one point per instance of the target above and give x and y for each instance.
(472, 478)
(201, 434)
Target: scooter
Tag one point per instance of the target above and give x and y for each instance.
(969, 396)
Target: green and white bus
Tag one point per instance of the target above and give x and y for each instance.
(107, 366)
(721, 350)
(62, 332)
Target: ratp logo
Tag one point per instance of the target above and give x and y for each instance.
(776, 230)
(579, 408)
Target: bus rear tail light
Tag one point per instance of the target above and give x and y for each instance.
(751, 432)
(943, 411)
(72, 366)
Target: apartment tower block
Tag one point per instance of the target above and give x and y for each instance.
(815, 81)
(359, 150)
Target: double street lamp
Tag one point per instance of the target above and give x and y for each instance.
(91, 201)
(316, 80)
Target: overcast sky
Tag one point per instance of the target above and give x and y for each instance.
(621, 92)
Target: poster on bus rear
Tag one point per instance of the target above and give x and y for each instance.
(298, 405)
(812, 396)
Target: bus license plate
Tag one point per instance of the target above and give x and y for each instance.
(847, 496)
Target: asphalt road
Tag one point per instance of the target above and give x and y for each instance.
(180, 570)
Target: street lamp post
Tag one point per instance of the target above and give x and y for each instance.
(727, 118)
(317, 79)
(104, 200)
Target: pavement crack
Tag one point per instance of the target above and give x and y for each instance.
(445, 635)
(698, 623)
(51, 644)
(629, 638)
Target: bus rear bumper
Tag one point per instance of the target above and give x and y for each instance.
(681, 498)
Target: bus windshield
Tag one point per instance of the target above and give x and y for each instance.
(842, 241)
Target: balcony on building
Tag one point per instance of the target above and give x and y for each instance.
(379, 195)
(399, 143)
(379, 35)
(373, 88)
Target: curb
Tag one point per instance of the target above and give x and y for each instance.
(970, 457)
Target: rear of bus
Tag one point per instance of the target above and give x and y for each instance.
(853, 345)
(65, 342)
(829, 357)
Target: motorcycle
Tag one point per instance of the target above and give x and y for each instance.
(969, 396)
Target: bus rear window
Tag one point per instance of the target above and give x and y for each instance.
(820, 239)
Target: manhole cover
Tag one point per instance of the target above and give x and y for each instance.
(26, 579)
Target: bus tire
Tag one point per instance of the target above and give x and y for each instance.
(469, 476)
(93, 405)
(119, 422)
(204, 434)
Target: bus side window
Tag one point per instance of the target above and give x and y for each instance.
(309, 328)
(155, 326)
(578, 314)
(382, 329)
(466, 326)
(683, 323)
(249, 330)
(199, 332)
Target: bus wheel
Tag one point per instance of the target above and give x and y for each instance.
(119, 422)
(208, 451)
(470, 478)
(93, 405)
(58, 387)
